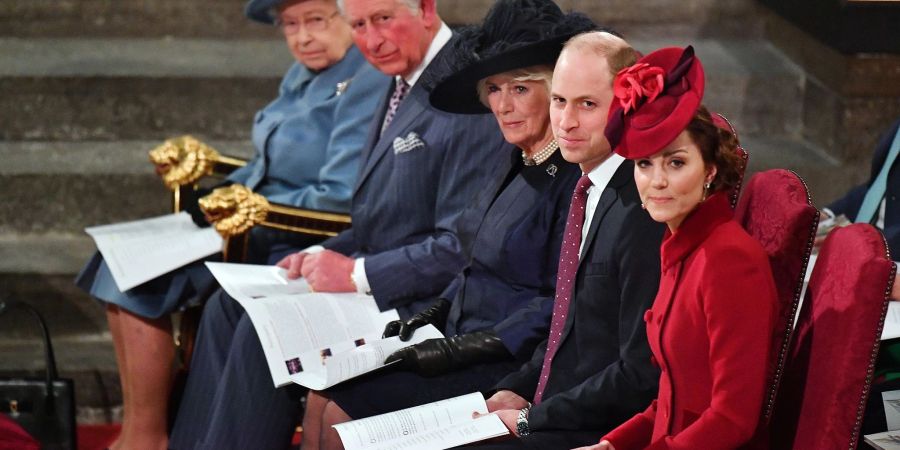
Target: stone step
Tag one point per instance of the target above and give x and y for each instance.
(225, 20)
(108, 89)
(62, 187)
(128, 18)
(826, 177)
(86, 89)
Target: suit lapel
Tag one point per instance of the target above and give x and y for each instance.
(410, 108)
(372, 140)
(624, 174)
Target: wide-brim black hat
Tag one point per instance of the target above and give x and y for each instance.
(515, 34)
(261, 10)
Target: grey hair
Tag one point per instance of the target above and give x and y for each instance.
(542, 73)
(412, 5)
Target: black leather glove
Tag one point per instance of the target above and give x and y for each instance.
(435, 314)
(192, 207)
(439, 356)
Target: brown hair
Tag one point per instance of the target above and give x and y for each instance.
(718, 147)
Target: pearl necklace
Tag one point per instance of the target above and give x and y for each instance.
(540, 156)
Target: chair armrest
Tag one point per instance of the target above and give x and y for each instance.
(235, 209)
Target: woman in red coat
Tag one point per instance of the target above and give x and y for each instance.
(710, 325)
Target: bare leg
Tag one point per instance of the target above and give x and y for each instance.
(329, 438)
(148, 369)
(112, 317)
(312, 419)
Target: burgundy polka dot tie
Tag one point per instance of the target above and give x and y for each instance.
(565, 279)
(400, 91)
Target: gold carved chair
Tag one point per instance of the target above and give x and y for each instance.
(234, 210)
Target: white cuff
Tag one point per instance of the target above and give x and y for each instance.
(312, 249)
(359, 277)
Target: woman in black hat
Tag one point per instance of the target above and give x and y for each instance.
(499, 308)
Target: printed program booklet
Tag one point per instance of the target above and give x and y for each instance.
(141, 250)
(316, 340)
(433, 426)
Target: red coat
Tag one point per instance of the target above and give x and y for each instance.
(709, 329)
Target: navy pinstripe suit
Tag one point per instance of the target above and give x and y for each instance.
(415, 180)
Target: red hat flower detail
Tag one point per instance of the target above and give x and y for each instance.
(638, 84)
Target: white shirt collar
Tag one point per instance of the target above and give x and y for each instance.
(604, 172)
(440, 40)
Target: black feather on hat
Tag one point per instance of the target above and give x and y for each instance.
(515, 34)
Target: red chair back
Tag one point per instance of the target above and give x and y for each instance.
(722, 122)
(776, 210)
(832, 352)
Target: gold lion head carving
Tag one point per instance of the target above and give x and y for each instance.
(183, 160)
(234, 209)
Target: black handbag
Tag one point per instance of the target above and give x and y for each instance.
(44, 407)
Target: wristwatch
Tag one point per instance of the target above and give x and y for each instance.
(522, 422)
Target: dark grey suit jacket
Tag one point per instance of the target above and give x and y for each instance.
(602, 373)
(414, 182)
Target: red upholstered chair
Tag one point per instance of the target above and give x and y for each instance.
(776, 210)
(832, 353)
(722, 122)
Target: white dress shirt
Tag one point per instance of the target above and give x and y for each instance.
(600, 177)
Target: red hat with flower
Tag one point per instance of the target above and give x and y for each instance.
(655, 100)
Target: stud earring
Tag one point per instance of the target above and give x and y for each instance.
(643, 206)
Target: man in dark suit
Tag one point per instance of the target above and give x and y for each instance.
(419, 169)
(594, 371)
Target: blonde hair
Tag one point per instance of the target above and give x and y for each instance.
(618, 53)
(542, 73)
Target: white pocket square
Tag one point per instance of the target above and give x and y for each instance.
(411, 142)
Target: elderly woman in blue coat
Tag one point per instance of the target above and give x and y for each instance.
(308, 142)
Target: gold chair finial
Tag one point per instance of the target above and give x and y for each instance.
(234, 209)
(183, 160)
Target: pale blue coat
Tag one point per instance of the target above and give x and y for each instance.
(308, 143)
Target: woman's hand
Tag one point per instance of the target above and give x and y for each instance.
(603, 445)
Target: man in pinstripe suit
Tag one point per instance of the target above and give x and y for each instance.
(420, 168)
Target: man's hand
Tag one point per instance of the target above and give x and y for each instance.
(603, 445)
(506, 400)
(328, 271)
(293, 264)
